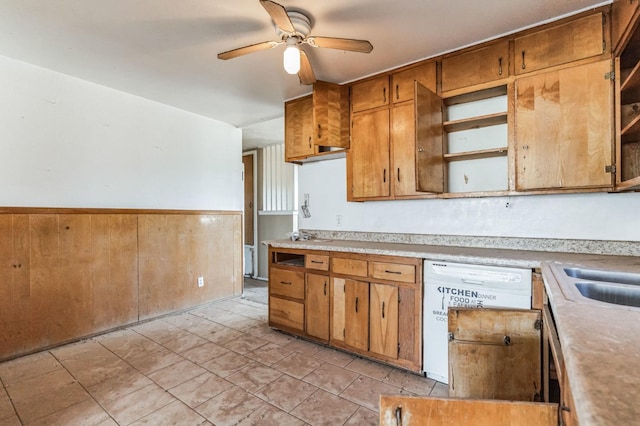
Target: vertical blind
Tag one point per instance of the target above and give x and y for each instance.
(278, 181)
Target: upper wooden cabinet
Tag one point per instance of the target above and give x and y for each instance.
(369, 155)
(622, 14)
(574, 40)
(318, 123)
(488, 63)
(403, 82)
(370, 94)
(563, 128)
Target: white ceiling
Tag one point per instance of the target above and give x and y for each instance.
(165, 50)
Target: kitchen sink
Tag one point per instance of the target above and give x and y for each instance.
(600, 286)
(618, 294)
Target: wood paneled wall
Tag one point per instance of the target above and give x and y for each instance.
(70, 273)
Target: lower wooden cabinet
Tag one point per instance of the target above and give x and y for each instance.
(365, 304)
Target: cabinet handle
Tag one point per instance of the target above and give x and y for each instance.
(398, 174)
(356, 304)
(319, 131)
(392, 272)
(309, 141)
(285, 283)
(399, 416)
(384, 175)
(383, 310)
(397, 91)
(325, 288)
(317, 261)
(523, 66)
(384, 94)
(500, 65)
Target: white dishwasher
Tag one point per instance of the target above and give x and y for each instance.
(459, 285)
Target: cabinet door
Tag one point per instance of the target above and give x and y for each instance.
(563, 128)
(330, 114)
(317, 306)
(479, 66)
(561, 44)
(426, 411)
(404, 153)
(430, 167)
(383, 327)
(370, 94)
(622, 13)
(495, 354)
(369, 154)
(298, 123)
(402, 82)
(356, 314)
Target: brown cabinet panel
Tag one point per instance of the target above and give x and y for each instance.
(403, 141)
(298, 129)
(577, 39)
(356, 331)
(430, 166)
(402, 82)
(392, 271)
(330, 114)
(429, 411)
(338, 316)
(369, 155)
(316, 261)
(357, 267)
(495, 354)
(383, 327)
(479, 66)
(286, 283)
(563, 128)
(410, 325)
(622, 13)
(317, 306)
(286, 313)
(370, 94)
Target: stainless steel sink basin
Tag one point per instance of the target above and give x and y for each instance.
(626, 295)
(610, 288)
(600, 275)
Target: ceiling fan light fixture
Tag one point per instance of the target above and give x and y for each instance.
(291, 58)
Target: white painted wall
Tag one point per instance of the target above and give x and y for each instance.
(598, 216)
(65, 142)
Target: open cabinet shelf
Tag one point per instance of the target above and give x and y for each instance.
(475, 122)
(475, 155)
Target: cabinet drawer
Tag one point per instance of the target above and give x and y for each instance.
(349, 266)
(286, 283)
(316, 261)
(286, 313)
(575, 40)
(479, 66)
(370, 94)
(392, 271)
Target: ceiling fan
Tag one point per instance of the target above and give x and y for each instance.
(294, 28)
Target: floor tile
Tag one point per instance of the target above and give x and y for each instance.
(31, 407)
(156, 330)
(11, 421)
(269, 354)
(268, 415)
(204, 353)
(176, 374)
(363, 417)
(414, 383)
(227, 364)
(27, 367)
(148, 362)
(297, 365)
(175, 413)
(254, 377)
(86, 413)
(324, 408)
(245, 343)
(303, 346)
(119, 385)
(271, 335)
(440, 390)
(42, 384)
(6, 408)
(366, 392)
(286, 392)
(200, 389)
(229, 407)
(90, 373)
(331, 378)
(335, 357)
(224, 335)
(369, 368)
(138, 404)
(183, 341)
(84, 350)
(242, 324)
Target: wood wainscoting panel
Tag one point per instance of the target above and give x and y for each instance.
(175, 250)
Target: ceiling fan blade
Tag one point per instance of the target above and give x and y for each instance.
(248, 49)
(279, 15)
(349, 44)
(306, 75)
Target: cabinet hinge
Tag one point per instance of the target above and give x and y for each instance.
(610, 76)
(538, 325)
(610, 169)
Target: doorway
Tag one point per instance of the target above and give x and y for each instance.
(250, 219)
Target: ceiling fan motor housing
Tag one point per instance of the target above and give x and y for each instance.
(301, 23)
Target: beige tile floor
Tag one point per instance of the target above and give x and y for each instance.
(219, 364)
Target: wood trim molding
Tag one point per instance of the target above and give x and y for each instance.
(83, 210)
